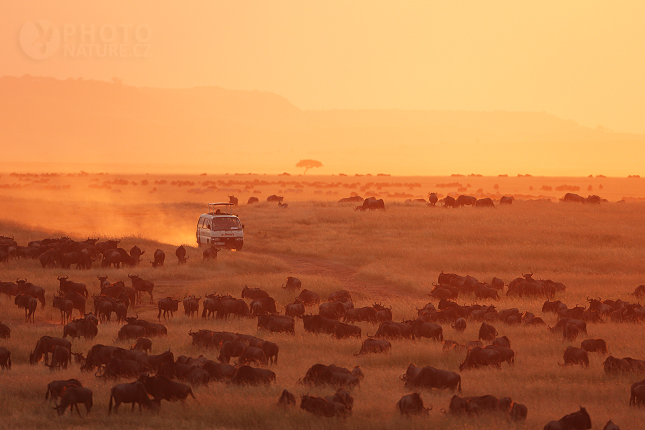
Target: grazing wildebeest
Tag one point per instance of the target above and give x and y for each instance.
(252, 200)
(502, 341)
(477, 357)
(485, 202)
(343, 397)
(322, 407)
(637, 391)
(287, 399)
(60, 358)
(271, 351)
(308, 297)
(375, 346)
(56, 388)
(428, 377)
(412, 404)
(210, 253)
(159, 258)
(459, 324)
(274, 198)
(573, 355)
(5, 358)
(505, 354)
(254, 293)
(252, 376)
(292, 283)
(136, 253)
(576, 421)
(133, 392)
(277, 323)
(506, 200)
(191, 305)
(594, 345)
(180, 253)
(320, 374)
(295, 309)
(253, 355)
(142, 344)
(5, 331)
(487, 332)
(72, 397)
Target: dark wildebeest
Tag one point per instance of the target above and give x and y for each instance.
(571, 197)
(210, 253)
(274, 198)
(159, 258)
(46, 345)
(576, 421)
(502, 341)
(167, 305)
(271, 351)
(66, 286)
(252, 376)
(5, 358)
(519, 412)
(142, 344)
(277, 323)
(180, 253)
(231, 348)
(232, 199)
(163, 388)
(570, 332)
(506, 200)
(250, 201)
(133, 392)
(412, 404)
(292, 283)
(322, 407)
(477, 357)
(573, 355)
(29, 304)
(375, 346)
(60, 358)
(428, 377)
(459, 324)
(72, 397)
(253, 355)
(433, 199)
(141, 285)
(191, 305)
(65, 306)
(448, 202)
(594, 345)
(637, 397)
(254, 293)
(286, 399)
(487, 332)
(308, 297)
(485, 203)
(295, 309)
(5, 331)
(465, 201)
(343, 397)
(136, 253)
(55, 388)
(505, 354)
(320, 374)
(263, 306)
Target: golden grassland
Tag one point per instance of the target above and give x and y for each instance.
(390, 257)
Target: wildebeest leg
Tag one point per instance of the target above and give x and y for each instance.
(77, 410)
(151, 300)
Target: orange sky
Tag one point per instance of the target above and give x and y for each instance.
(579, 60)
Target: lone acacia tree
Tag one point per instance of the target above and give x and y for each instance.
(309, 164)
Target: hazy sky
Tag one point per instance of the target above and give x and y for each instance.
(580, 60)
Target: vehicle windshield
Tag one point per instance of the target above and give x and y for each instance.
(225, 223)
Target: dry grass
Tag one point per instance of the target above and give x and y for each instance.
(394, 257)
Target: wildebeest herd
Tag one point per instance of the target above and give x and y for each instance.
(164, 377)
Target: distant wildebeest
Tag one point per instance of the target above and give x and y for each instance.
(428, 377)
(292, 283)
(133, 392)
(375, 346)
(142, 344)
(323, 407)
(141, 285)
(487, 332)
(191, 305)
(433, 199)
(506, 200)
(637, 397)
(29, 304)
(412, 404)
(295, 309)
(371, 203)
(167, 305)
(274, 198)
(448, 202)
(210, 253)
(321, 374)
(66, 286)
(485, 203)
(519, 412)
(286, 399)
(253, 293)
(136, 253)
(477, 357)
(56, 388)
(573, 355)
(60, 358)
(180, 253)
(308, 297)
(5, 331)
(159, 258)
(571, 197)
(252, 200)
(232, 199)
(594, 345)
(72, 397)
(576, 421)
(463, 200)
(246, 375)
(5, 358)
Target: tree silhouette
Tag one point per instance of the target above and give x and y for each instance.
(309, 164)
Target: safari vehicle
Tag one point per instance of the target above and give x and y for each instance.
(220, 228)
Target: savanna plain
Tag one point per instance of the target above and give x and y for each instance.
(390, 257)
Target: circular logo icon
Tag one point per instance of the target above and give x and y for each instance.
(39, 39)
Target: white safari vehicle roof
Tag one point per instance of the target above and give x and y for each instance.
(225, 208)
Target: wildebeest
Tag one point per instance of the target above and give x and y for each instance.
(141, 285)
(167, 305)
(65, 306)
(477, 357)
(459, 406)
(506, 200)
(56, 388)
(231, 348)
(594, 345)
(5, 358)
(367, 313)
(180, 253)
(274, 198)
(287, 399)
(505, 354)
(210, 253)
(519, 412)
(142, 344)
(46, 345)
(613, 365)
(253, 293)
(412, 404)
(5, 331)
(292, 283)
(29, 304)
(429, 377)
(486, 202)
(322, 407)
(320, 374)
(637, 391)
(252, 376)
(136, 253)
(252, 200)
(271, 351)
(253, 355)
(263, 306)
(459, 324)
(60, 358)
(191, 305)
(371, 203)
(308, 298)
(374, 346)
(570, 332)
(571, 197)
(433, 199)
(277, 323)
(576, 421)
(487, 332)
(72, 397)
(159, 258)
(395, 330)
(573, 355)
(133, 392)
(295, 309)
(66, 286)
(163, 388)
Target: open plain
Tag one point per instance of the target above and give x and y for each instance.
(391, 257)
